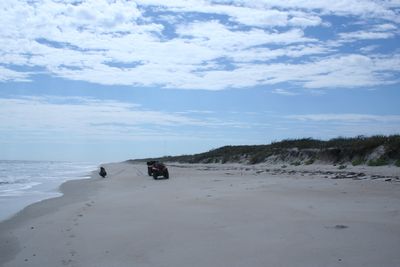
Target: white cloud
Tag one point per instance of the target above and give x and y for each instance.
(11, 75)
(116, 43)
(382, 31)
(242, 14)
(284, 92)
(385, 27)
(217, 36)
(369, 48)
(76, 118)
(365, 35)
(331, 72)
(362, 8)
(84, 117)
(359, 118)
(330, 125)
(305, 21)
(261, 12)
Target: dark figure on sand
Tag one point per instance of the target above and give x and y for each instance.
(103, 172)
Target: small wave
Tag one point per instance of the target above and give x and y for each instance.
(17, 189)
(31, 181)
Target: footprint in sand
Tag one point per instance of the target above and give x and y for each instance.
(337, 226)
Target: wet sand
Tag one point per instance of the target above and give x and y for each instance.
(213, 215)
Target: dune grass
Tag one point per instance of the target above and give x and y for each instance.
(308, 150)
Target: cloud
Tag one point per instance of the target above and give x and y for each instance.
(242, 14)
(31, 119)
(215, 35)
(210, 45)
(369, 48)
(284, 92)
(365, 35)
(11, 75)
(382, 31)
(85, 117)
(259, 12)
(361, 8)
(330, 125)
(349, 117)
(330, 72)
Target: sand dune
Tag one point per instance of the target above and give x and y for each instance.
(213, 215)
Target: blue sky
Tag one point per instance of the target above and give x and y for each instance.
(102, 80)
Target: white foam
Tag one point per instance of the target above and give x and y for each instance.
(26, 182)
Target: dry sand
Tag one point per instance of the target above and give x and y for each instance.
(213, 215)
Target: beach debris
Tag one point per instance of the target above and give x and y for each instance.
(340, 226)
(337, 226)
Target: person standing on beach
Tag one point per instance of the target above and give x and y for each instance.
(103, 172)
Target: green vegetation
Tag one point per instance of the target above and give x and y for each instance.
(309, 162)
(258, 157)
(378, 162)
(397, 163)
(335, 151)
(357, 162)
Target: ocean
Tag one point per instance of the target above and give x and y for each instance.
(26, 182)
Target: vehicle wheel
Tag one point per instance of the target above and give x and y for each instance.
(155, 175)
(166, 174)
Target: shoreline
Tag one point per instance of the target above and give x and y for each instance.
(230, 214)
(23, 183)
(9, 246)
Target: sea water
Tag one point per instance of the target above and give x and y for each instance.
(26, 182)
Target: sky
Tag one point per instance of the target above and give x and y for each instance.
(110, 80)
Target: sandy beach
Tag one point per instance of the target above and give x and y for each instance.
(213, 215)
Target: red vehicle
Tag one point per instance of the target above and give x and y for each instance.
(155, 169)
